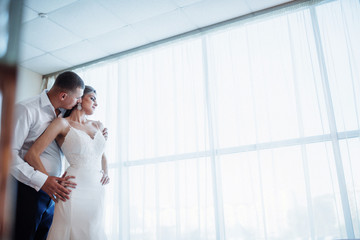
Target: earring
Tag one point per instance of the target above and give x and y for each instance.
(79, 106)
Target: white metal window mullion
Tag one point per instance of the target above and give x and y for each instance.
(240, 149)
(301, 133)
(318, 89)
(217, 194)
(177, 164)
(332, 124)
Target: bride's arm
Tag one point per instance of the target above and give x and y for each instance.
(33, 155)
(105, 179)
(55, 187)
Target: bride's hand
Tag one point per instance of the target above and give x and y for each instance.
(105, 133)
(105, 178)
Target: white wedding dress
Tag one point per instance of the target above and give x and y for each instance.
(81, 217)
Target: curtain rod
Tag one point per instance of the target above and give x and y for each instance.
(296, 4)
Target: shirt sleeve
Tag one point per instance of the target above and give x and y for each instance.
(20, 169)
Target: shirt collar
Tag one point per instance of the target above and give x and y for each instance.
(44, 99)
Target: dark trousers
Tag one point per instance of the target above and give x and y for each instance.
(34, 213)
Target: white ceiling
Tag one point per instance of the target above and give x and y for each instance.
(79, 31)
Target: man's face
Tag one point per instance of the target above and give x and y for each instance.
(72, 98)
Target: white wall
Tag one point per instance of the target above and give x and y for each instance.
(28, 84)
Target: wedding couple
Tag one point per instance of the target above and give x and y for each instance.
(43, 132)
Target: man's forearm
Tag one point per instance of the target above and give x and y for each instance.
(26, 174)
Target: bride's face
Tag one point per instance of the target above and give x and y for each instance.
(89, 103)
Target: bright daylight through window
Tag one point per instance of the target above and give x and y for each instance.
(248, 131)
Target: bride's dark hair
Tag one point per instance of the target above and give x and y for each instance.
(88, 89)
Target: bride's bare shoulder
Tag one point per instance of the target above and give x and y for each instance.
(62, 124)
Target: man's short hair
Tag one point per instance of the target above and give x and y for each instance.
(69, 81)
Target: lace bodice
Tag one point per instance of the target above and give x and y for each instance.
(82, 150)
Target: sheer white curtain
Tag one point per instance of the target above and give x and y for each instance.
(246, 132)
(279, 97)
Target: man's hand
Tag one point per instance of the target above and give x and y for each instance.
(105, 133)
(67, 183)
(56, 187)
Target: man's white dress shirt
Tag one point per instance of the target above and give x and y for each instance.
(32, 117)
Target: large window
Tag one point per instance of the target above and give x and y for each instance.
(250, 131)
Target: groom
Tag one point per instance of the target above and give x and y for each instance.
(36, 190)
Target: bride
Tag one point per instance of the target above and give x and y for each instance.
(82, 142)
